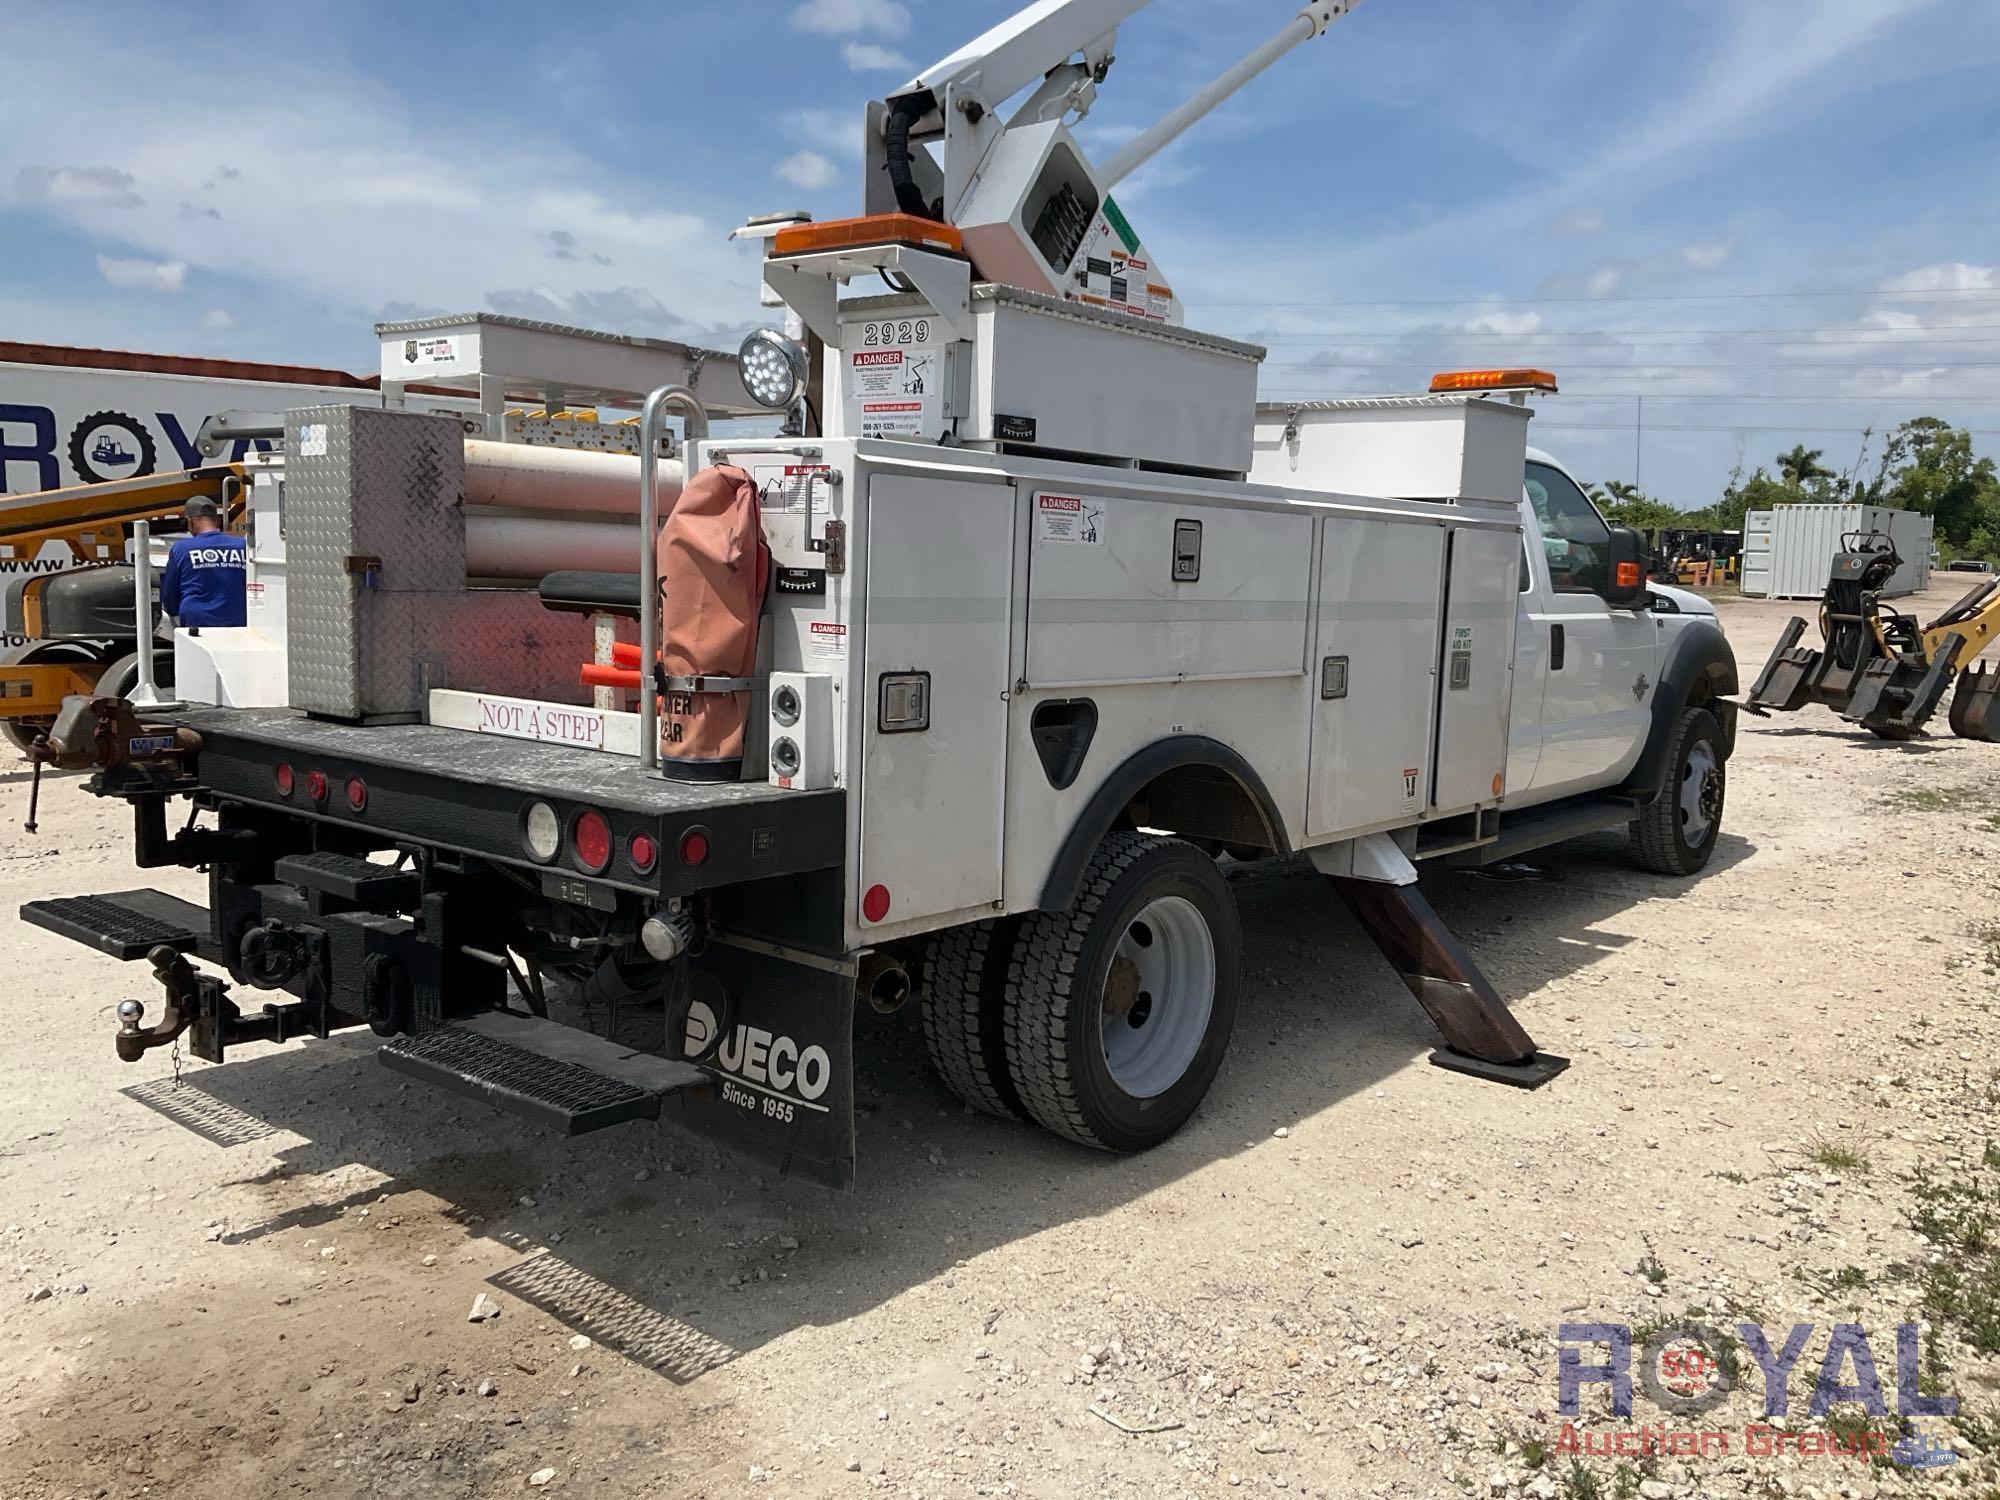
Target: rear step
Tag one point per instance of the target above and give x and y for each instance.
(124, 924)
(350, 878)
(543, 1071)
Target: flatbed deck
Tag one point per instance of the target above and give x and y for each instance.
(461, 790)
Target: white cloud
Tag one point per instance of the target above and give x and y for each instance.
(847, 17)
(1603, 282)
(1581, 221)
(867, 57)
(146, 275)
(216, 318)
(104, 185)
(1955, 276)
(1511, 324)
(835, 130)
(1706, 257)
(809, 170)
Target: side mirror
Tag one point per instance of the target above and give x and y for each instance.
(1625, 570)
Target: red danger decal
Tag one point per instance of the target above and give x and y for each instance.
(1060, 502)
(886, 357)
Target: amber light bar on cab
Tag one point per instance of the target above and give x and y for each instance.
(1512, 379)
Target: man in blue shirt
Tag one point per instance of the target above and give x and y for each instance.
(203, 583)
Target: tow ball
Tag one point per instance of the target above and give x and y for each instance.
(182, 984)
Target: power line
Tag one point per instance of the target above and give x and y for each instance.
(1637, 365)
(1777, 427)
(1583, 338)
(1496, 302)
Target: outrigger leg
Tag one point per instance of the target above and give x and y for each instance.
(1481, 1035)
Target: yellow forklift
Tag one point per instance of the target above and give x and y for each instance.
(79, 625)
(1879, 668)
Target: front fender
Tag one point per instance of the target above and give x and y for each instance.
(1699, 663)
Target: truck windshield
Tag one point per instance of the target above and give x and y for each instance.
(1573, 533)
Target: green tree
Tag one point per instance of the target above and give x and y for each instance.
(1642, 513)
(1928, 466)
(1801, 468)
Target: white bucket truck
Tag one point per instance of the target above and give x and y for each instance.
(1059, 618)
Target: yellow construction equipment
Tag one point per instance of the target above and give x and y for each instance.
(80, 623)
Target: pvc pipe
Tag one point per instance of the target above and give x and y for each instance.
(694, 418)
(524, 476)
(532, 547)
(1307, 24)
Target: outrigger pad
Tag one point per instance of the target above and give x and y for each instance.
(1530, 1073)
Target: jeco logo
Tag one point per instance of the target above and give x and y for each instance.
(757, 1056)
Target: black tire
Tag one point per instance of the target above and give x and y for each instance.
(123, 674)
(965, 984)
(1057, 980)
(21, 733)
(1660, 834)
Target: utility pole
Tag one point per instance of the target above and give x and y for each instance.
(1639, 448)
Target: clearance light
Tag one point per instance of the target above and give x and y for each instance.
(357, 793)
(316, 785)
(874, 229)
(643, 852)
(694, 848)
(283, 775)
(1630, 576)
(1512, 379)
(590, 838)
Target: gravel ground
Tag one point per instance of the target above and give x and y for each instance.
(1344, 1278)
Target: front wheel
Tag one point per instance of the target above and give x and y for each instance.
(1117, 1012)
(1676, 833)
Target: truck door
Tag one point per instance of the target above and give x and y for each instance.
(1599, 664)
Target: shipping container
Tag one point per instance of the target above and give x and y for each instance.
(1788, 551)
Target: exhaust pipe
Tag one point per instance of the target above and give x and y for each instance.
(884, 983)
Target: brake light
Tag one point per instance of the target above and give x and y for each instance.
(1514, 378)
(357, 793)
(316, 785)
(590, 838)
(283, 775)
(643, 852)
(694, 848)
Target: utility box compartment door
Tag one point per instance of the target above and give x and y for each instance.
(1119, 590)
(1380, 589)
(1475, 683)
(940, 561)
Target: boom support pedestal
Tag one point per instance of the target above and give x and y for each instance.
(1481, 1036)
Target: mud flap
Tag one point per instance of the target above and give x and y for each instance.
(784, 1070)
(1975, 706)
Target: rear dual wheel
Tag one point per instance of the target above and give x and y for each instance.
(1105, 1023)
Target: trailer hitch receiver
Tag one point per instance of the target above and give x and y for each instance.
(182, 984)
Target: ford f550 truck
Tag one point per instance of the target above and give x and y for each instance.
(957, 696)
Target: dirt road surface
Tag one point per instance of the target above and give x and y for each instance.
(1346, 1277)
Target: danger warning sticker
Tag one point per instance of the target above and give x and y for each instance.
(826, 640)
(1069, 519)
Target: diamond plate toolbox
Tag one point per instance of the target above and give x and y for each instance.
(375, 542)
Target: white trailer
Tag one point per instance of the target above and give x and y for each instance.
(1060, 619)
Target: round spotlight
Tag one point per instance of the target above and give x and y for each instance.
(773, 368)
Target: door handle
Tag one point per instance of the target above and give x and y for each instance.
(1555, 648)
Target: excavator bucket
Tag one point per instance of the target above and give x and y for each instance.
(1975, 707)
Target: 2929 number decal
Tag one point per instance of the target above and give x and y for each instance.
(896, 333)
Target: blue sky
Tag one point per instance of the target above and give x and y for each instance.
(1775, 219)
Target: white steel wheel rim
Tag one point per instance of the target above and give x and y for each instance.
(1701, 791)
(1158, 994)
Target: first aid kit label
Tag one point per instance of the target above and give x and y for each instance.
(1070, 520)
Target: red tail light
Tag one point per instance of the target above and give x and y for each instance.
(694, 848)
(316, 785)
(284, 778)
(357, 793)
(643, 852)
(591, 839)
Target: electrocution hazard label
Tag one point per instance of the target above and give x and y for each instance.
(1069, 519)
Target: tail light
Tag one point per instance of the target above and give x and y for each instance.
(283, 776)
(316, 786)
(357, 793)
(643, 852)
(590, 841)
(694, 847)
(541, 831)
